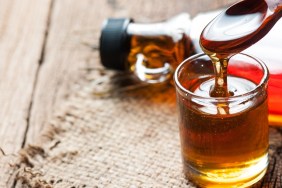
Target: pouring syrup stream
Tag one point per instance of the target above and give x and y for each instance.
(234, 30)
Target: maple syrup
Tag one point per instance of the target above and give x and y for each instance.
(225, 144)
(234, 30)
(151, 51)
(239, 27)
(222, 145)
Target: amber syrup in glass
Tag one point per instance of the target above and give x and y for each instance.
(220, 147)
(228, 147)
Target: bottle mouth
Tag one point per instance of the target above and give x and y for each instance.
(261, 83)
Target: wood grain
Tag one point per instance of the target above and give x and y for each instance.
(73, 26)
(22, 28)
(22, 33)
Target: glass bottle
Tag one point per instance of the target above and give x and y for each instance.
(151, 51)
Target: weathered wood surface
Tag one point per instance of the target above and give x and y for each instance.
(22, 35)
(45, 43)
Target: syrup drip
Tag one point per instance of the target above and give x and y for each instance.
(234, 30)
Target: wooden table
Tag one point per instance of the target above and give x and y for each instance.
(45, 43)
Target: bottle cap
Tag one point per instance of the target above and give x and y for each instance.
(115, 43)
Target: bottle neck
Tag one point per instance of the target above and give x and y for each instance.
(175, 28)
(139, 29)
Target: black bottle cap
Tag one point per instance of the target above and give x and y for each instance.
(115, 43)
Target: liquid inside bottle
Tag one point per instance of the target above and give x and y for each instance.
(160, 44)
(159, 50)
(150, 50)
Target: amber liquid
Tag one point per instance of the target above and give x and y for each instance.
(159, 50)
(226, 145)
(232, 32)
(225, 37)
(239, 27)
(222, 146)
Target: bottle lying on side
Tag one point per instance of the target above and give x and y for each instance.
(152, 51)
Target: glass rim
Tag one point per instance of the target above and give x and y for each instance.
(261, 84)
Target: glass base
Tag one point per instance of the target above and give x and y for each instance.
(242, 175)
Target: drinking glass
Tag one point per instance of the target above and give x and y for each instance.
(224, 140)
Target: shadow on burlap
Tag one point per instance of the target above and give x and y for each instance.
(126, 139)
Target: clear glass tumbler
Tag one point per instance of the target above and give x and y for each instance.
(224, 140)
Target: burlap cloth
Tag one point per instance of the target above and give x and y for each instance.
(123, 138)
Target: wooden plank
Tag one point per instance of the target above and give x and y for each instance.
(22, 28)
(71, 25)
(22, 33)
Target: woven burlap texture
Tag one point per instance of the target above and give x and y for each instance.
(129, 139)
(119, 139)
